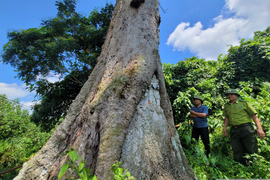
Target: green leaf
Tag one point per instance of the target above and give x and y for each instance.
(128, 174)
(84, 176)
(73, 156)
(80, 174)
(188, 139)
(81, 166)
(197, 149)
(120, 171)
(213, 161)
(87, 170)
(94, 178)
(64, 168)
(114, 168)
(117, 177)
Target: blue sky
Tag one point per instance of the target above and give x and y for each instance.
(202, 28)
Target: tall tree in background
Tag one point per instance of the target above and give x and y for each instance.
(67, 45)
(251, 59)
(122, 112)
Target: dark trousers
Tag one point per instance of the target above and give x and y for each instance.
(243, 141)
(204, 133)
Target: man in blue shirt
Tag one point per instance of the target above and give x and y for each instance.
(199, 114)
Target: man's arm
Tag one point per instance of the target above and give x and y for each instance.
(193, 116)
(260, 131)
(226, 122)
(201, 115)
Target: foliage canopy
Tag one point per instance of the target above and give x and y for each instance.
(68, 46)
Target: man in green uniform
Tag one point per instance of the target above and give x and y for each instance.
(239, 115)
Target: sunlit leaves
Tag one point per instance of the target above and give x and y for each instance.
(251, 58)
(19, 137)
(83, 172)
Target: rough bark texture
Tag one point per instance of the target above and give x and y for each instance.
(123, 111)
(151, 150)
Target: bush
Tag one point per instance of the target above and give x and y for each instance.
(20, 139)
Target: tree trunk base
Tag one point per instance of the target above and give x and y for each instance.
(149, 150)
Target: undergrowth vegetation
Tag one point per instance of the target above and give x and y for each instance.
(77, 166)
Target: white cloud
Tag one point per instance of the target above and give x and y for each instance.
(51, 78)
(248, 16)
(27, 105)
(14, 91)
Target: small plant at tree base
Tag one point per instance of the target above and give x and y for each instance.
(119, 173)
(84, 173)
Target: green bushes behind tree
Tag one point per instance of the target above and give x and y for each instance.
(241, 68)
(19, 137)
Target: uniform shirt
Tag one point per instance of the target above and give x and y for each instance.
(239, 112)
(198, 121)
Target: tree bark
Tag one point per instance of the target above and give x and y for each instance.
(123, 110)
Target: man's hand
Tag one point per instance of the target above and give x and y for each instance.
(192, 112)
(225, 131)
(260, 133)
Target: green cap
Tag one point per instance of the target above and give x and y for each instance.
(232, 91)
(198, 97)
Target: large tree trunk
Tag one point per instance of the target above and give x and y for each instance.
(123, 111)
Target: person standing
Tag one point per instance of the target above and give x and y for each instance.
(239, 115)
(199, 114)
